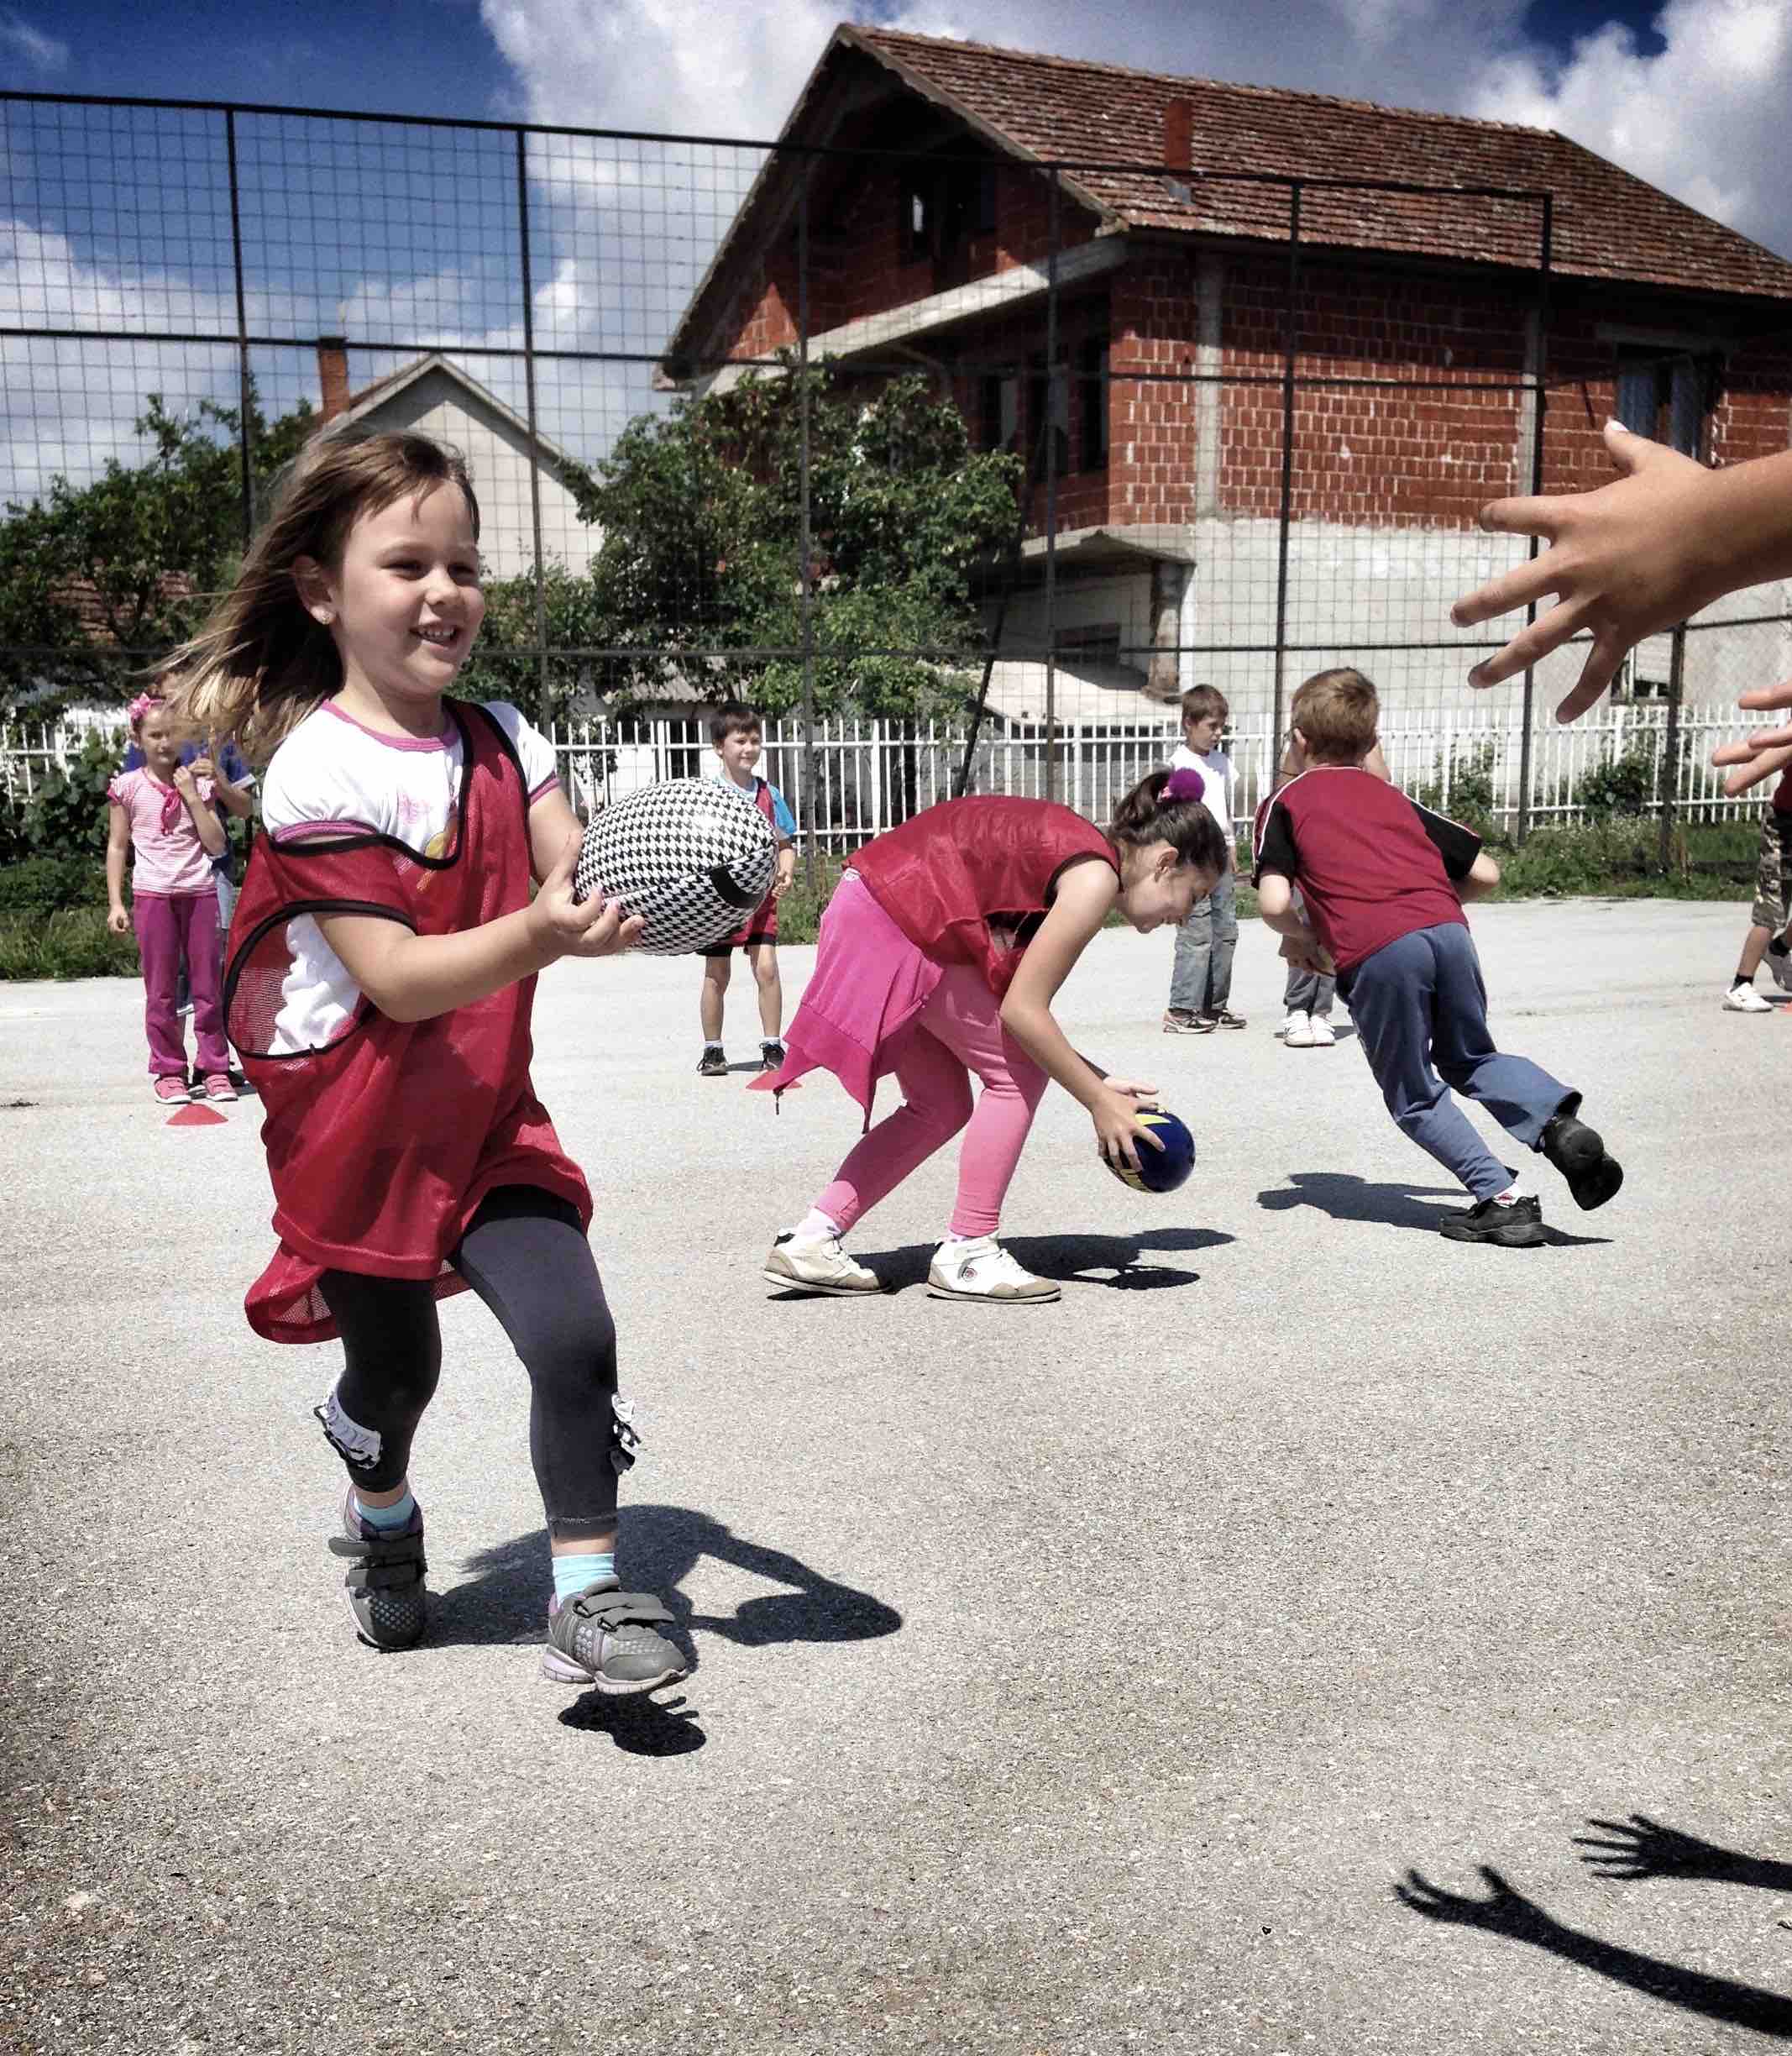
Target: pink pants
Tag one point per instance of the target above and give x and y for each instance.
(166, 923)
(959, 1031)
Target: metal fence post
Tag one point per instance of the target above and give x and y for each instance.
(1290, 344)
(806, 583)
(535, 446)
(245, 379)
(1540, 399)
(1669, 765)
(1049, 430)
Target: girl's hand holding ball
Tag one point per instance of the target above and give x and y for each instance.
(564, 926)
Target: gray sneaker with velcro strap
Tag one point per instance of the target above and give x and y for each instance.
(604, 1637)
(385, 1580)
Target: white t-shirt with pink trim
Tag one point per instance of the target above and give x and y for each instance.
(332, 773)
(169, 859)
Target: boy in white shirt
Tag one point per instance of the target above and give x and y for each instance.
(1201, 982)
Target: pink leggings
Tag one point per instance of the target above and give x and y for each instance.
(957, 1031)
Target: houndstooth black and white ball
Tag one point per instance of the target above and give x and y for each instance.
(692, 857)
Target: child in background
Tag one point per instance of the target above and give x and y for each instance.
(1772, 911)
(1201, 979)
(941, 953)
(737, 738)
(1383, 880)
(161, 814)
(379, 994)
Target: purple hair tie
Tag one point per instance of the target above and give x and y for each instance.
(1184, 784)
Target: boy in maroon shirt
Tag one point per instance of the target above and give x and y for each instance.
(1383, 880)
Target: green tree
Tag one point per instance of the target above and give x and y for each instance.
(98, 580)
(701, 517)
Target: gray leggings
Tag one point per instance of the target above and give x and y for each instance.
(1308, 992)
(527, 1257)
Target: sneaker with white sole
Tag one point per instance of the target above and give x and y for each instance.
(817, 1266)
(980, 1268)
(1299, 1033)
(1745, 999)
(170, 1090)
(385, 1578)
(1320, 1028)
(606, 1638)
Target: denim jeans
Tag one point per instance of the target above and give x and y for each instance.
(1201, 980)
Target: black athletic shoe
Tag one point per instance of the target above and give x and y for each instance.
(1516, 1224)
(1578, 1153)
(714, 1063)
(770, 1056)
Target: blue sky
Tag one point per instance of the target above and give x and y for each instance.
(118, 220)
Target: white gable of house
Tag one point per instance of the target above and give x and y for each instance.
(436, 398)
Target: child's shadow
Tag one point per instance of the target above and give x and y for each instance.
(505, 1601)
(1068, 1259)
(1346, 1197)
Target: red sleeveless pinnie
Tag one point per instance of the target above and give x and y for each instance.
(382, 1143)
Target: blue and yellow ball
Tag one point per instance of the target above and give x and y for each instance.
(1159, 1170)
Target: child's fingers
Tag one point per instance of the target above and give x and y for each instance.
(1515, 588)
(1531, 643)
(1768, 739)
(1596, 675)
(1765, 696)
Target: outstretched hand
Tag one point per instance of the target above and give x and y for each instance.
(565, 927)
(1503, 1911)
(1763, 753)
(1624, 561)
(1641, 1847)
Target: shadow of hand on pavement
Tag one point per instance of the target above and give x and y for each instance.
(1346, 1197)
(1641, 1851)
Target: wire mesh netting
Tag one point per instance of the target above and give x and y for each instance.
(962, 468)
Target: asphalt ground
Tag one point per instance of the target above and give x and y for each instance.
(1069, 1678)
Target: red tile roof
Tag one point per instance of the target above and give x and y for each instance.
(1607, 223)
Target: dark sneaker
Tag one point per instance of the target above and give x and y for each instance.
(1225, 1017)
(1578, 1153)
(1206, 1023)
(385, 1580)
(1178, 1021)
(1518, 1224)
(604, 1637)
(714, 1063)
(770, 1056)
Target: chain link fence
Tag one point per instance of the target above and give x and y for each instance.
(962, 468)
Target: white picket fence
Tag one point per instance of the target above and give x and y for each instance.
(870, 774)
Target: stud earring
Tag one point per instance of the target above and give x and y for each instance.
(323, 614)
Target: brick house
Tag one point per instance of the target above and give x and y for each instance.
(1424, 322)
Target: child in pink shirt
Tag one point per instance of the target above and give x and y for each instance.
(162, 815)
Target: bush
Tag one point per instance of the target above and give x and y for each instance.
(66, 817)
(1471, 801)
(73, 943)
(1622, 785)
(49, 881)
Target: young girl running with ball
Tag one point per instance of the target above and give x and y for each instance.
(941, 953)
(384, 955)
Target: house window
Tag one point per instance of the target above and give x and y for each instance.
(943, 205)
(1093, 369)
(1093, 642)
(1049, 436)
(1001, 411)
(1665, 395)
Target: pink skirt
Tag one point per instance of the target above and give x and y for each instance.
(870, 981)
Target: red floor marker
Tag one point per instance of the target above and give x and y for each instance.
(194, 1116)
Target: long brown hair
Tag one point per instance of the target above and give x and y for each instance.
(261, 663)
(1147, 815)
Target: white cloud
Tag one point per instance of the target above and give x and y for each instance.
(44, 54)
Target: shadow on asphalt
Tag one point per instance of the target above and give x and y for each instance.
(1346, 1197)
(1637, 1848)
(1065, 1258)
(503, 1600)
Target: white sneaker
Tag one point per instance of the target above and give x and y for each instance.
(980, 1268)
(820, 1266)
(1745, 999)
(1320, 1032)
(1299, 1031)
